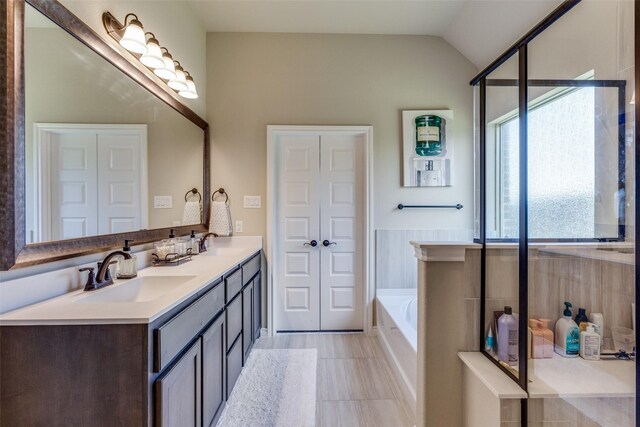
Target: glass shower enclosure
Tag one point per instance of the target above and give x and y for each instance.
(556, 214)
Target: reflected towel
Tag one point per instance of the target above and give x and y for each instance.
(192, 213)
(220, 221)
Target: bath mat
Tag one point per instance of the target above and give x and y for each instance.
(275, 388)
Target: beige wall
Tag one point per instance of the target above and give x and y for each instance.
(254, 80)
(71, 84)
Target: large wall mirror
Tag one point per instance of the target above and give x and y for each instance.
(102, 152)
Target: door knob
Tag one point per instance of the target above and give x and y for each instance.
(328, 243)
(312, 243)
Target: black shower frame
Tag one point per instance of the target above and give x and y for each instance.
(523, 83)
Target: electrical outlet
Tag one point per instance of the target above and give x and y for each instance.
(239, 226)
(162, 202)
(252, 202)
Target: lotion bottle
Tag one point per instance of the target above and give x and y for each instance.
(598, 321)
(590, 343)
(567, 334)
(508, 337)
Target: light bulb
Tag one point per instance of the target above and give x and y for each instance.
(153, 57)
(134, 39)
(168, 71)
(180, 82)
(191, 89)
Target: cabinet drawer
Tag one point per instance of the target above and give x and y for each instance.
(234, 321)
(234, 365)
(174, 335)
(233, 284)
(251, 267)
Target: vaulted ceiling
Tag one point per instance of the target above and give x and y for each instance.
(479, 29)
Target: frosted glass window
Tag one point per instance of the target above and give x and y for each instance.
(561, 168)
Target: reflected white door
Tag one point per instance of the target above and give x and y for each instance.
(92, 180)
(74, 179)
(320, 196)
(119, 185)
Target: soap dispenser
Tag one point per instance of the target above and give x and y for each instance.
(127, 268)
(590, 343)
(567, 334)
(194, 244)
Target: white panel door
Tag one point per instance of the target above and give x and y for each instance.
(74, 175)
(119, 186)
(298, 269)
(341, 225)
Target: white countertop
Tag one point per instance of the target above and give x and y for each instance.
(70, 309)
(575, 377)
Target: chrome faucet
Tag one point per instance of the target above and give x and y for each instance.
(103, 277)
(203, 241)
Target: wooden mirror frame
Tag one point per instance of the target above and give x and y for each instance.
(14, 252)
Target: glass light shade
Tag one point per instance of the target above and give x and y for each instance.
(153, 57)
(180, 82)
(134, 39)
(168, 71)
(191, 89)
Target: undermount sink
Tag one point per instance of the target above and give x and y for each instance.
(223, 251)
(141, 289)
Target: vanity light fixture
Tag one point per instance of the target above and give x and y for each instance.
(153, 57)
(180, 82)
(191, 88)
(132, 37)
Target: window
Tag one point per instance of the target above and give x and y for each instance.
(562, 168)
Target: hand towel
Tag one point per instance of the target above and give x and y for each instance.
(192, 213)
(220, 221)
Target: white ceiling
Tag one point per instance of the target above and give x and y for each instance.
(479, 29)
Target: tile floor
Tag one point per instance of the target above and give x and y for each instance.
(355, 385)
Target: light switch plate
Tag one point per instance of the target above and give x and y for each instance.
(239, 226)
(162, 202)
(252, 202)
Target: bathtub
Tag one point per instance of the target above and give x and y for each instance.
(397, 319)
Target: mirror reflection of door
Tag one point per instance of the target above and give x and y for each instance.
(92, 180)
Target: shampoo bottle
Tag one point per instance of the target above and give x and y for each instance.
(548, 338)
(537, 340)
(127, 268)
(590, 343)
(508, 337)
(567, 334)
(581, 319)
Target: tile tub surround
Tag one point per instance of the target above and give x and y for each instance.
(396, 264)
(67, 309)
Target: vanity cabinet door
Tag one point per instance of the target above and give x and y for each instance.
(257, 306)
(213, 366)
(179, 392)
(234, 365)
(247, 321)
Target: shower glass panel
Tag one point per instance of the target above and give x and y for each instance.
(580, 192)
(501, 217)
